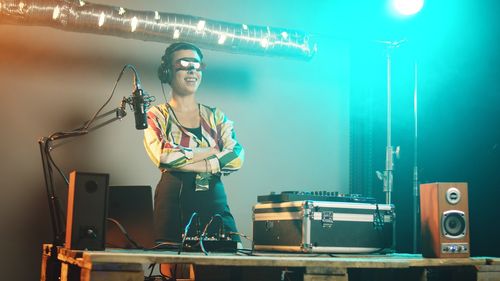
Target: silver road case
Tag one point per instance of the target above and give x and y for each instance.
(323, 227)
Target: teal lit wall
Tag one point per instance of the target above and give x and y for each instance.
(454, 44)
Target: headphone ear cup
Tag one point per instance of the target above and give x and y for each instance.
(163, 74)
(168, 75)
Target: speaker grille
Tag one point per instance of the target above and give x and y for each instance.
(454, 224)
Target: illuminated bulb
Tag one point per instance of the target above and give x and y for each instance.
(157, 16)
(201, 25)
(21, 6)
(56, 13)
(121, 11)
(222, 39)
(82, 3)
(133, 24)
(102, 17)
(264, 42)
(245, 27)
(284, 34)
(177, 33)
(407, 7)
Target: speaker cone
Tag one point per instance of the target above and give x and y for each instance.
(453, 224)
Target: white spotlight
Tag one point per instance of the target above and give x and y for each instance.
(407, 7)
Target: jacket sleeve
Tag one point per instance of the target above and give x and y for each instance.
(232, 154)
(159, 143)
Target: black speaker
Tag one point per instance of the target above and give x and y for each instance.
(87, 211)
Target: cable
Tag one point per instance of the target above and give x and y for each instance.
(186, 229)
(241, 235)
(202, 236)
(82, 130)
(122, 229)
(378, 219)
(152, 266)
(87, 125)
(163, 91)
(179, 203)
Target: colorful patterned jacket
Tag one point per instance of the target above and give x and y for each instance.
(169, 145)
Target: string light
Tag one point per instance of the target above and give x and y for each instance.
(102, 17)
(133, 24)
(56, 12)
(222, 39)
(177, 33)
(201, 25)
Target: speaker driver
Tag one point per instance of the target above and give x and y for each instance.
(454, 224)
(453, 195)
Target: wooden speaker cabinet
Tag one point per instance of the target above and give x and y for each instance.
(444, 217)
(87, 211)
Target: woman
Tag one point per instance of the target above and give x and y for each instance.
(192, 145)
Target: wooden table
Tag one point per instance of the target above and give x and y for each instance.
(113, 265)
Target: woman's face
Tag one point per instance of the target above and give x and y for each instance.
(187, 72)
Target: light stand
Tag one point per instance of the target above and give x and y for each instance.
(416, 209)
(387, 175)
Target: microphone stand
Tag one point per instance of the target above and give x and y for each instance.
(53, 267)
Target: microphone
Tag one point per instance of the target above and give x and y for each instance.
(139, 105)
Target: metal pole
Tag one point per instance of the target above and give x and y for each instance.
(416, 209)
(389, 150)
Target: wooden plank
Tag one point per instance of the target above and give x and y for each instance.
(290, 260)
(488, 272)
(318, 267)
(308, 277)
(46, 252)
(117, 276)
(145, 257)
(326, 270)
(492, 260)
(325, 274)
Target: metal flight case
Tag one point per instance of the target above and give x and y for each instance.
(323, 227)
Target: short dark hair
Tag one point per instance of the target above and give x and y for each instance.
(166, 60)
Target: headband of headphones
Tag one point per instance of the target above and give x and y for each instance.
(165, 68)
